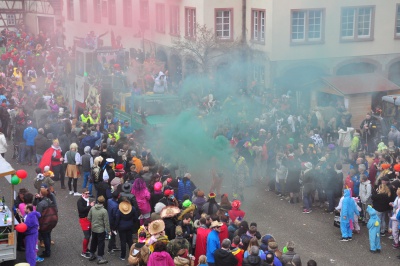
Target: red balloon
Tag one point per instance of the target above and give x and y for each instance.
(22, 173)
(21, 228)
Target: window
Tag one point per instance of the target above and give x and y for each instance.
(83, 10)
(97, 11)
(174, 20)
(259, 73)
(357, 23)
(70, 9)
(11, 20)
(104, 8)
(127, 13)
(144, 14)
(258, 20)
(112, 13)
(307, 26)
(223, 23)
(397, 29)
(160, 18)
(190, 22)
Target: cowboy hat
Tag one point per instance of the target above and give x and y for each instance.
(169, 211)
(156, 227)
(215, 224)
(125, 207)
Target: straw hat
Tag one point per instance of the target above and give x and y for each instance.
(156, 227)
(125, 207)
(169, 211)
(215, 224)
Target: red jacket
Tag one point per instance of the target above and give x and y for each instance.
(223, 233)
(201, 243)
(233, 214)
(238, 253)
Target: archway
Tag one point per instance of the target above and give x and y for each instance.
(162, 56)
(394, 73)
(175, 68)
(356, 68)
(191, 67)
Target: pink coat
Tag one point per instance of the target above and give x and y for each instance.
(160, 259)
(143, 200)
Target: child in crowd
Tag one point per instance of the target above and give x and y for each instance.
(365, 195)
(395, 222)
(47, 172)
(202, 261)
(374, 229)
(43, 179)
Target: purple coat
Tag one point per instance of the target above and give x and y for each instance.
(32, 222)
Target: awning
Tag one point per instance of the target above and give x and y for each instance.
(363, 83)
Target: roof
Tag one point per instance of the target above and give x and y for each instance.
(362, 83)
(6, 170)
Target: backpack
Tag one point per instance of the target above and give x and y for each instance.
(49, 218)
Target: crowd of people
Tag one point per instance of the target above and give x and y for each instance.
(164, 219)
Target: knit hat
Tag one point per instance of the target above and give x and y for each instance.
(385, 166)
(157, 186)
(158, 207)
(396, 167)
(119, 166)
(212, 195)
(186, 203)
(168, 192)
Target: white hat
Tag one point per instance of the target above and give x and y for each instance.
(110, 160)
(308, 165)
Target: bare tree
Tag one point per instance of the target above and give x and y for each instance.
(204, 47)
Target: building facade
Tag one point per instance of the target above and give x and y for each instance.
(300, 40)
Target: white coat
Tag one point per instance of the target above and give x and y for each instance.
(365, 192)
(345, 137)
(3, 143)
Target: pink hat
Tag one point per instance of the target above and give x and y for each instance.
(157, 186)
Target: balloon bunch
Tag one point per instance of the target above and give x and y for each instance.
(19, 175)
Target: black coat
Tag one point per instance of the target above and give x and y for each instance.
(83, 209)
(224, 258)
(380, 202)
(253, 260)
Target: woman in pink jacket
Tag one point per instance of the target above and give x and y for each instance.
(142, 195)
(160, 256)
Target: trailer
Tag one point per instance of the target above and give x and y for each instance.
(8, 238)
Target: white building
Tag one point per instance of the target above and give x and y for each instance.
(302, 40)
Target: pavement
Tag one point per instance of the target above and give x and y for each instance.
(314, 234)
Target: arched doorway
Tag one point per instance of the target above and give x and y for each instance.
(162, 56)
(175, 68)
(191, 67)
(394, 73)
(356, 68)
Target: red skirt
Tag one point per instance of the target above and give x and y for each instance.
(85, 224)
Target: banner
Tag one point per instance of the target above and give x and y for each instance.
(80, 89)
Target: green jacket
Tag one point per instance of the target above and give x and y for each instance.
(98, 216)
(355, 143)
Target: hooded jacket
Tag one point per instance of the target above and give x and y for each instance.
(224, 257)
(160, 259)
(253, 261)
(349, 208)
(365, 192)
(32, 222)
(98, 216)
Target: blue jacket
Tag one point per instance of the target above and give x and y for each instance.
(112, 209)
(29, 136)
(90, 140)
(212, 245)
(398, 218)
(184, 188)
(349, 208)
